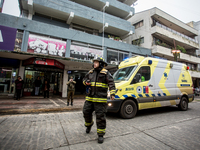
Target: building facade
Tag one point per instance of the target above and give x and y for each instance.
(59, 38)
(162, 33)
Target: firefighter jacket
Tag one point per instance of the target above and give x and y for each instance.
(100, 82)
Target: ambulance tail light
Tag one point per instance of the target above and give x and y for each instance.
(188, 68)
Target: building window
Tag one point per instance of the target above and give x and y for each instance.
(138, 24)
(115, 57)
(18, 40)
(138, 41)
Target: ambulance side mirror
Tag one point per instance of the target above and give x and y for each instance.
(137, 78)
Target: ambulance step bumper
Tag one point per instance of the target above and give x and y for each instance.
(114, 105)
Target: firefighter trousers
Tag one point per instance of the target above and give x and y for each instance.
(100, 111)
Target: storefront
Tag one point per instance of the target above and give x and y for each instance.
(41, 67)
(8, 75)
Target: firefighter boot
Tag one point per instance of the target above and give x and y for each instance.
(71, 104)
(67, 103)
(88, 129)
(100, 139)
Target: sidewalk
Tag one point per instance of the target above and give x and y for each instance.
(38, 104)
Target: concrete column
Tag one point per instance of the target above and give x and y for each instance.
(130, 55)
(65, 79)
(67, 53)
(61, 81)
(21, 70)
(105, 54)
(25, 41)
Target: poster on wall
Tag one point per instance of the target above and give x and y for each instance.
(84, 53)
(44, 45)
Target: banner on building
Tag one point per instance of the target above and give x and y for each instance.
(84, 53)
(45, 45)
(7, 38)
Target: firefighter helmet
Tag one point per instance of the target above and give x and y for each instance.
(101, 61)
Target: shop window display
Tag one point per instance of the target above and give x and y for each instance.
(31, 76)
(7, 80)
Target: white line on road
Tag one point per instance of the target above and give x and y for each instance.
(54, 102)
(62, 101)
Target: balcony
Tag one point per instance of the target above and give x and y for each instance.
(166, 53)
(169, 34)
(82, 15)
(115, 8)
(195, 74)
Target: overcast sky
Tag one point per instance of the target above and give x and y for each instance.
(184, 10)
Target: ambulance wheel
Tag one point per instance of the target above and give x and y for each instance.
(128, 109)
(183, 105)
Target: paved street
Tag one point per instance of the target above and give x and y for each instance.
(160, 128)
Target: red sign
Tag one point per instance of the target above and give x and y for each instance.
(43, 61)
(59, 65)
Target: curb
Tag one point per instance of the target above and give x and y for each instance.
(41, 110)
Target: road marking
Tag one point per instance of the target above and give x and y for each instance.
(175, 127)
(62, 101)
(54, 102)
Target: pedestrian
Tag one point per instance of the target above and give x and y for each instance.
(71, 90)
(99, 80)
(46, 87)
(19, 85)
(38, 83)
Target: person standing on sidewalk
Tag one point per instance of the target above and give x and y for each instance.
(97, 80)
(19, 85)
(46, 87)
(71, 90)
(38, 83)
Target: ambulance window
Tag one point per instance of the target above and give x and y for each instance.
(144, 73)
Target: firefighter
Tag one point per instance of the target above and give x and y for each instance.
(97, 80)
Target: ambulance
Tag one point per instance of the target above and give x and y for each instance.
(145, 82)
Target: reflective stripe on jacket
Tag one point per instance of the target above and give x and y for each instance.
(100, 82)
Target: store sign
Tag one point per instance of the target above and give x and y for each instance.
(43, 61)
(7, 38)
(84, 53)
(44, 45)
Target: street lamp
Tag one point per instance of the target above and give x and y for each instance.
(176, 54)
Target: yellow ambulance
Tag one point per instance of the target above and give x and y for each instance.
(145, 82)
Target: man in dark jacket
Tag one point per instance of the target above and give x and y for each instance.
(71, 90)
(97, 80)
(46, 87)
(38, 83)
(19, 85)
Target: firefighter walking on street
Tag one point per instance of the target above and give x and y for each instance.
(97, 82)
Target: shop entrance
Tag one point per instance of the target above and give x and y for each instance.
(53, 75)
(78, 76)
(43, 68)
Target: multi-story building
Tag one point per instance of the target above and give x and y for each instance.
(1, 5)
(162, 33)
(59, 38)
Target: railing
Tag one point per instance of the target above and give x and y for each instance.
(178, 33)
(170, 48)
